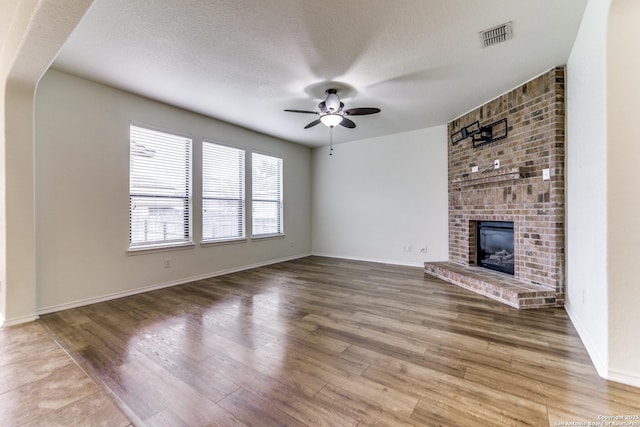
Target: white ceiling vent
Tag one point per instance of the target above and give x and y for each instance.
(496, 35)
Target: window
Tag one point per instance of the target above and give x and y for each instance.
(159, 188)
(222, 192)
(267, 195)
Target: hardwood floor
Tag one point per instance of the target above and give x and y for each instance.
(41, 386)
(328, 342)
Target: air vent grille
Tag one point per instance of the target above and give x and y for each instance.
(496, 35)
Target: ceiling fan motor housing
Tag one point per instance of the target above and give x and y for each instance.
(332, 102)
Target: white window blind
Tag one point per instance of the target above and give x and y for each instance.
(267, 195)
(159, 188)
(222, 192)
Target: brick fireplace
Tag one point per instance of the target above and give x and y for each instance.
(515, 192)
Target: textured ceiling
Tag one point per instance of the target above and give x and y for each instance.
(245, 61)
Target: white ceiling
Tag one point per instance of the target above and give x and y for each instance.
(245, 61)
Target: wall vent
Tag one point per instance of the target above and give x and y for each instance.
(496, 35)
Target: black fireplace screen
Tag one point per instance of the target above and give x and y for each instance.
(495, 245)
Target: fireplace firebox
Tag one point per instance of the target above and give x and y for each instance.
(495, 245)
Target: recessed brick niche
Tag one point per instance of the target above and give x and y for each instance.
(514, 192)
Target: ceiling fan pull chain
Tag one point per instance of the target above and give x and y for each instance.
(331, 141)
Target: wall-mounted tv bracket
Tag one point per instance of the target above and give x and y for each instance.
(490, 133)
(481, 135)
(465, 132)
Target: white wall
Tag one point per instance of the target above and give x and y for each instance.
(82, 204)
(603, 199)
(623, 155)
(373, 197)
(31, 37)
(586, 181)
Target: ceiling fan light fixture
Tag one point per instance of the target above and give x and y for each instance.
(331, 120)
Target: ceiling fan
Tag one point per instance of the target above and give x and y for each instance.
(332, 114)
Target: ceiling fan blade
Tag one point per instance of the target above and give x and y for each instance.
(302, 111)
(361, 111)
(347, 123)
(313, 123)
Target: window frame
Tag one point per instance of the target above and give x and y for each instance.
(186, 198)
(279, 200)
(242, 226)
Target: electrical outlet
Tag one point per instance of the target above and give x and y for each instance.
(546, 174)
(496, 164)
(474, 169)
(167, 263)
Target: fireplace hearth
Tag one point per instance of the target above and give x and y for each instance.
(495, 246)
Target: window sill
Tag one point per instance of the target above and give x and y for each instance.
(268, 236)
(206, 243)
(160, 248)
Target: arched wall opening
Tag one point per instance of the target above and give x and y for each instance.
(36, 33)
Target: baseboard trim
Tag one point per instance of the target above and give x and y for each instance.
(18, 320)
(601, 366)
(116, 295)
(379, 261)
(624, 378)
(598, 363)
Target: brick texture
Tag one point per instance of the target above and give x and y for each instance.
(515, 192)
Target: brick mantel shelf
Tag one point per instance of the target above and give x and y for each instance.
(496, 176)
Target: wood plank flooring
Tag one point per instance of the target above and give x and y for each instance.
(328, 342)
(41, 386)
